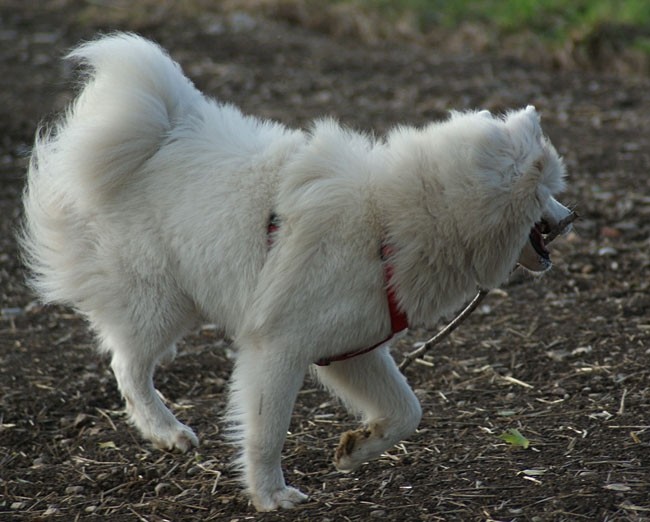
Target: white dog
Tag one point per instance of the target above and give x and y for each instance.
(150, 208)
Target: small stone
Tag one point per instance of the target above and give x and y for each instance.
(74, 490)
(607, 251)
(39, 462)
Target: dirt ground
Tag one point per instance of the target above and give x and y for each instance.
(564, 358)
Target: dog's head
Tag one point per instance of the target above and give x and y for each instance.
(472, 196)
(516, 173)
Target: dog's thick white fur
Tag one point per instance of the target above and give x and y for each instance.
(147, 207)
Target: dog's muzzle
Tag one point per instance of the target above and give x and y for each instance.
(535, 256)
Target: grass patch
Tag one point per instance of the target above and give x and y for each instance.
(605, 34)
(554, 20)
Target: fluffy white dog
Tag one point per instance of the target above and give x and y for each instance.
(150, 208)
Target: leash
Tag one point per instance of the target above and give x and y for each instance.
(415, 354)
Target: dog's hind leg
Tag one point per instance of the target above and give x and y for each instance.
(134, 374)
(138, 341)
(265, 383)
(371, 386)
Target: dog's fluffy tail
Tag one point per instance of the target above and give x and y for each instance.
(133, 94)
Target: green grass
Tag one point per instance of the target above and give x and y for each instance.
(554, 20)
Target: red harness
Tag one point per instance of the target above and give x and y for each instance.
(398, 319)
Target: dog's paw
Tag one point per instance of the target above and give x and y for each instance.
(346, 456)
(285, 498)
(178, 437)
(359, 446)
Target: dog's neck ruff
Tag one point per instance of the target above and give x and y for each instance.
(398, 319)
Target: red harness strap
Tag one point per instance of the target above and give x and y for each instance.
(398, 319)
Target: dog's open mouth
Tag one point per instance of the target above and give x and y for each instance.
(535, 256)
(537, 239)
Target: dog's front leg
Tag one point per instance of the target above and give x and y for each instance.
(371, 386)
(265, 384)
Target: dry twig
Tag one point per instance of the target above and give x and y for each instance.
(408, 359)
(561, 227)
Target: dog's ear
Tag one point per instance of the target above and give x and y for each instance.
(526, 137)
(536, 160)
(525, 125)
